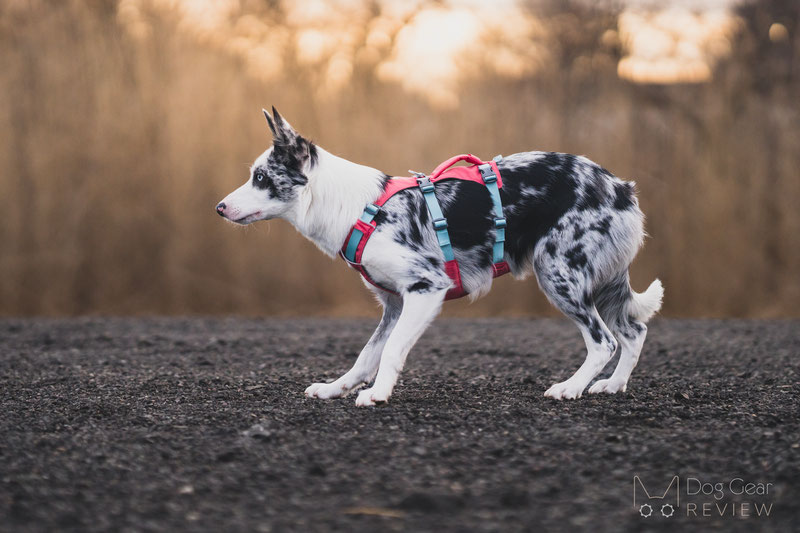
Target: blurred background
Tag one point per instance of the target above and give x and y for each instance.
(123, 122)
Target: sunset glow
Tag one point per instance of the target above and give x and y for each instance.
(431, 50)
(673, 45)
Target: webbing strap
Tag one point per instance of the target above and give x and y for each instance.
(356, 235)
(439, 222)
(490, 179)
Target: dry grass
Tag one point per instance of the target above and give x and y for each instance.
(113, 152)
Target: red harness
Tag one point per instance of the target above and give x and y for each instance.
(483, 172)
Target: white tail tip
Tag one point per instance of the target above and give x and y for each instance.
(646, 304)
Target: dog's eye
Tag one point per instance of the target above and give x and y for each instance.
(259, 177)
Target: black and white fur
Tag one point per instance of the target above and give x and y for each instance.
(571, 222)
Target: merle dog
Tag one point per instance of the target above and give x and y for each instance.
(569, 221)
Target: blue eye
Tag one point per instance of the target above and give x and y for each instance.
(259, 177)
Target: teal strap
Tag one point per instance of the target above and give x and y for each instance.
(490, 179)
(439, 222)
(355, 237)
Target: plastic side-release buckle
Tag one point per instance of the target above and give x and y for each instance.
(487, 173)
(425, 184)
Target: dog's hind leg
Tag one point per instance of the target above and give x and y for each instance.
(419, 310)
(626, 313)
(368, 360)
(631, 335)
(568, 287)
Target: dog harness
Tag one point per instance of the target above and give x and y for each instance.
(480, 171)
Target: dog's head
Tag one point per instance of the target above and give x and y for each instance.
(276, 177)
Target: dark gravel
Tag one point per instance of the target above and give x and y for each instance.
(201, 424)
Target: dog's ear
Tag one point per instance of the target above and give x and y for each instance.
(282, 131)
(285, 138)
(270, 123)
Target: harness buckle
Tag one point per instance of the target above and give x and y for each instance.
(425, 183)
(500, 223)
(439, 224)
(487, 174)
(372, 209)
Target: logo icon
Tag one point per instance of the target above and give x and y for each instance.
(666, 501)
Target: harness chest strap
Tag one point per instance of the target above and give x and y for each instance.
(357, 240)
(487, 174)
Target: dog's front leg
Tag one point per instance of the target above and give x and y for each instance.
(367, 363)
(419, 310)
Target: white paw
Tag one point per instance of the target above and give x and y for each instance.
(565, 390)
(371, 396)
(608, 386)
(325, 391)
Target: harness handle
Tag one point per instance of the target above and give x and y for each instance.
(452, 161)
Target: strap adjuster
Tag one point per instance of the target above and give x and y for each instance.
(499, 223)
(440, 224)
(372, 209)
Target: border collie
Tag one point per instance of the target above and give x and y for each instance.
(569, 221)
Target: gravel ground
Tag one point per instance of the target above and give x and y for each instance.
(201, 424)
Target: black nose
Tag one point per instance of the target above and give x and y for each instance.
(221, 209)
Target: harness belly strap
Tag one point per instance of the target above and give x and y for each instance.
(440, 227)
(439, 222)
(489, 175)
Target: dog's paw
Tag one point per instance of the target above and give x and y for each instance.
(370, 397)
(608, 386)
(325, 391)
(565, 390)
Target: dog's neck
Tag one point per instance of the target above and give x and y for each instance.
(336, 194)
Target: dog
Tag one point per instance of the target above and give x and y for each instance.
(572, 223)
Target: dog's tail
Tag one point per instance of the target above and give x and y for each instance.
(642, 306)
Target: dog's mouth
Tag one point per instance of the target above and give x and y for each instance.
(248, 219)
